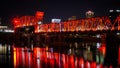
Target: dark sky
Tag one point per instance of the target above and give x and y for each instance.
(55, 8)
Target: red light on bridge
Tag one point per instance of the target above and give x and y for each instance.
(39, 15)
(16, 21)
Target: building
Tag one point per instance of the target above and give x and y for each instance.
(89, 14)
(4, 28)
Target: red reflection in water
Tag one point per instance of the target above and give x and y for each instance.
(93, 65)
(40, 58)
(76, 62)
(81, 63)
(22, 58)
(71, 62)
(119, 56)
(64, 62)
(87, 64)
(103, 48)
(57, 61)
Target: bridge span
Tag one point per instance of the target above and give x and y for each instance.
(85, 24)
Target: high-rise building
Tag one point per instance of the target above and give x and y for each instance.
(89, 14)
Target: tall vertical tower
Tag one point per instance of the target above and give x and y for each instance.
(39, 16)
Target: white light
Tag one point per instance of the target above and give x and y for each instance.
(98, 35)
(8, 30)
(39, 22)
(56, 20)
(118, 33)
(117, 10)
(111, 10)
(98, 45)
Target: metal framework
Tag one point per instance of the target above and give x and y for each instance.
(86, 24)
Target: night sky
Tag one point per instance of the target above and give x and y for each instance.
(62, 9)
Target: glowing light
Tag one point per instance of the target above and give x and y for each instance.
(16, 21)
(117, 10)
(87, 64)
(81, 63)
(103, 48)
(72, 64)
(98, 45)
(111, 10)
(14, 58)
(39, 15)
(93, 65)
(56, 20)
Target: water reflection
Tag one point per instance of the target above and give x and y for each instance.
(5, 56)
(46, 57)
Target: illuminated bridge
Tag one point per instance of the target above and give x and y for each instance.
(88, 24)
(95, 28)
(84, 24)
(29, 30)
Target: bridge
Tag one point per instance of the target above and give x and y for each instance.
(96, 29)
(103, 23)
(84, 28)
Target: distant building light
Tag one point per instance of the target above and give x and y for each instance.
(89, 14)
(3, 27)
(56, 20)
(117, 10)
(111, 10)
(9, 31)
(118, 33)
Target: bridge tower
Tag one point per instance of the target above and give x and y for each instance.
(26, 26)
(39, 17)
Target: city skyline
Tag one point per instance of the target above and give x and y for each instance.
(62, 9)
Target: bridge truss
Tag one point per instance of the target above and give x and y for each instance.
(85, 24)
